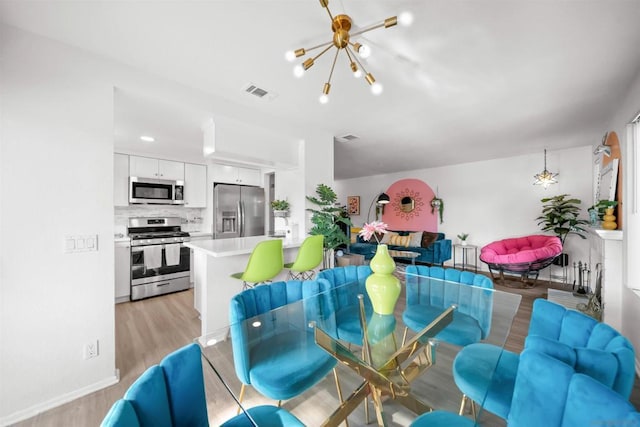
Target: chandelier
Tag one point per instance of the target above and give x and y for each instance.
(341, 25)
(545, 178)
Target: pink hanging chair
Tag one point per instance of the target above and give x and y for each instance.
(524, 256)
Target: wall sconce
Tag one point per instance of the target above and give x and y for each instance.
(380, 200)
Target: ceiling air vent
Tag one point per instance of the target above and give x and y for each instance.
(348, 138)
(261, 93)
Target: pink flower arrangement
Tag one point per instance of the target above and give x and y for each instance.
(372, 229)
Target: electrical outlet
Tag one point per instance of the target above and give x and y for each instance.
(91, 350)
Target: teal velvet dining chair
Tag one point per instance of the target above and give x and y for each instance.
(347, 326)
(548, 392)
(427, 298)
(593, 348)
(274, 350)
(172, 394)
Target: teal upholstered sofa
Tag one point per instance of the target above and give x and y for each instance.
(433, 249)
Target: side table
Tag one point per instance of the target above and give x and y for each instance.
(464, 250)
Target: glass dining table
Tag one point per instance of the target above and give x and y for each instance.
(390, 377)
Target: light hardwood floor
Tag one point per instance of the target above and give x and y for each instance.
(148, 330)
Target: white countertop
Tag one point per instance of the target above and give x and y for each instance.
(200, 234)
(237, 246)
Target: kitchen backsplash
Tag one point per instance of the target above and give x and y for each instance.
(192, 218)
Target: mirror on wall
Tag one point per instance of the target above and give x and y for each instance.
(407, 204)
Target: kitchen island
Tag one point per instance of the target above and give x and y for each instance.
(214, 263)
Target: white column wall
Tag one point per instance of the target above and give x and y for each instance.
(57, 180)
(629, 108)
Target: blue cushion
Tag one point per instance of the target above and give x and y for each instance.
(462, 330)
(148, 396)
(121, 414)
(185, 387)
(549, 392)
(284, 366)
(555, 349)
(427, 298)
(442, 419)
(593, 404)
(540, 391)
(486, 374)
(264, 416)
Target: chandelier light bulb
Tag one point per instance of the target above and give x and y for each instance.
(364, 51)
(298, 71)
(405, 19)
(323, 99)
(357, 74)
(290, 56)
(376, 88)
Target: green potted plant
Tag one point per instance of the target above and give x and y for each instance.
(560, 216)
(463, 238)
(280, 208)
(437, 203)
(326, 220)
(596, 212)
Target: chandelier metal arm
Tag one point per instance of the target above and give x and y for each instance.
(389, 22)
(333, 65)
(309, 62)
(356, 58)
(325, 6)
(306, 50)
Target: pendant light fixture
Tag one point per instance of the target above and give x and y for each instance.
(545, 178)
(341, 40)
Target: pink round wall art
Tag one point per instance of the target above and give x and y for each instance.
(420, 217)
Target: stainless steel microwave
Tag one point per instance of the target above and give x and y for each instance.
(155, 191)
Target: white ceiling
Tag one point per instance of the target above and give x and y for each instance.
(469, 80)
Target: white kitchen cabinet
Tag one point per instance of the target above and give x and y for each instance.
(236, 175)
(122, 271)
(120, 179)
(194, 238)
(147, 167)
(195, 186)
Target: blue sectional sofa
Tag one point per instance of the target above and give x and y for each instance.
(434, 248)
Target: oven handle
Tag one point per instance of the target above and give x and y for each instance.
(163, 284)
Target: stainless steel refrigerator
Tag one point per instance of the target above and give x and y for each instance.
(238, 211)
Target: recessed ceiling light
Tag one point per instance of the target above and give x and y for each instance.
(147, 138)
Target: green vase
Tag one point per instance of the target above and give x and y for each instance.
(382, 286)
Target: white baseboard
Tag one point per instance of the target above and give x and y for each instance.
(59, 400)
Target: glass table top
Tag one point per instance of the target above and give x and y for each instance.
(410, 369)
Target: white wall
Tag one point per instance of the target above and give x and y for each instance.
(57, 180)
(492, 199)
(629, 108)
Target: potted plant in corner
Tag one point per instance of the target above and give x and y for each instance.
(560, 216)
(326, 220)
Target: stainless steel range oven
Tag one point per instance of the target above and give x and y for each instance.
(160, 263)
